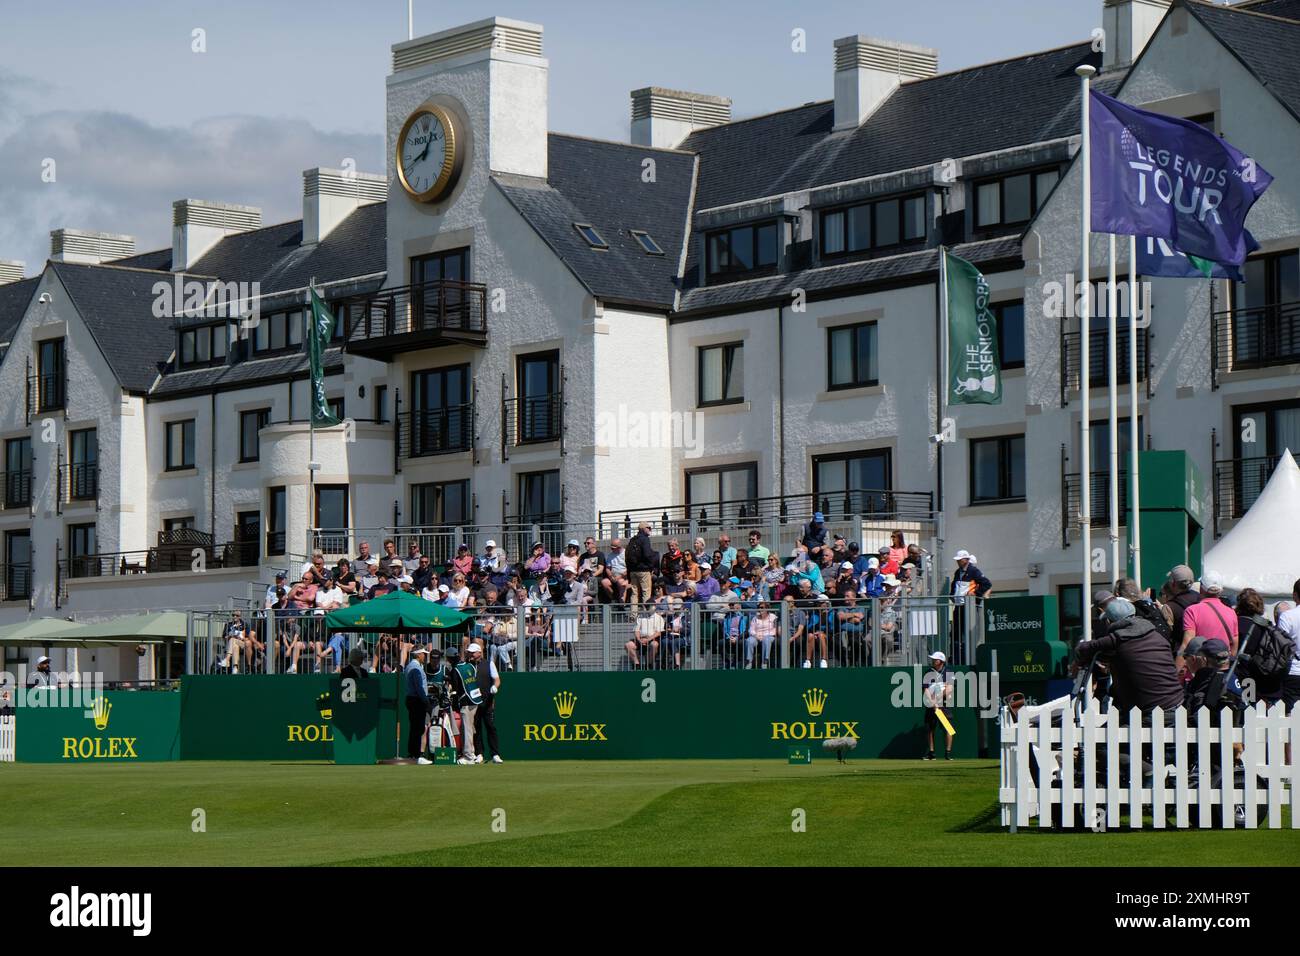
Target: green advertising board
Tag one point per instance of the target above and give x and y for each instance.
(1172, 512)
(1019, 619)
(277, 717)
(119, 727)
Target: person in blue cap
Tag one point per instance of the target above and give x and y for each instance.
(814, 537)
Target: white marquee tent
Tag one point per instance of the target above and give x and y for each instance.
(1262, 551)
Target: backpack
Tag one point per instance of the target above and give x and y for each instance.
(1273, 651)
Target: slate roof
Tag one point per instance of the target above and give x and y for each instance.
(1267, 44)
(242, 373)
(14, 298)
(602, 183)
(1288, 9)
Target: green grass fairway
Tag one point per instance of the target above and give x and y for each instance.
(870, 812)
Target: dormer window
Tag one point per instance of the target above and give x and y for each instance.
(1009, 200)
(873, 225)
(202, 346)
(741, 250)
(647, 242)
(278, 332)
(588, 232)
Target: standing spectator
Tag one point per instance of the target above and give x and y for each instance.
(757, 553)
(416, 683)
(645, 640)
(898, 550)
(1181, 596)
(762, 637)
(968, 587)
(813, 537)
(1209, 617)
(1252, 630)
(641, 563)
(1288, 622)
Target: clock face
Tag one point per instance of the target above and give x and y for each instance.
(427, 153)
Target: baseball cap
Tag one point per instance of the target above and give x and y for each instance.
(280, 575)
(373, 561)
(573, 541)
(1102, 597)
(963, 555)
(1214, 648)
(890, 580)
(420, 650)
(848, 565)
(824, 597)
(42, 660)
(474, 648)
(1119, 609)
(444, 589)
(873, 562)
(570, 570)
(883, 549)
(733, 580)
(1182, 574)
(489, 543)
(939, 656)
(705, 564)
(818, 516)
(1195, 646)
(1211, 582)
(853, 546)
(395, 563)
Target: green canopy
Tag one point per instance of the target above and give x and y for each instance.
(398, 613)
(152, 628)
(37, 632)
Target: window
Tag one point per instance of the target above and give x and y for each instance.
(873, 225)
(1012, 199)
(51, 375)
(997, 469)
(714, 489)
(1011, 333)
(180, 445)
(440, 503)
(18, 565)
(588, 232)
(851, 356)
(279, 332)
(538, 385)
(335, 406)
(332, 506)
(247, 538)
(81, 546)
(741, 250)
(83, 464)
(1069, 600)
(856, 483)
(18, 473)
(1266, 311)
(250, 423)
(1204, 119)
(647, 242)
(452, 266)
(1274, 428)
(541, 499)
(722, 374)
(441, 417)
(431, 307)
(275, 521)
(202, 346)
(381, 403)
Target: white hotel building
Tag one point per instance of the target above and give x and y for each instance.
(773, 279)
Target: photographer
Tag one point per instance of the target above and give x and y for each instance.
(1141, 670)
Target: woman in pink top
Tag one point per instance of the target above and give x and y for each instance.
(897, 550)
(1210, 617)
(464, 560)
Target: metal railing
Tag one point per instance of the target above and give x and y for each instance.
(435, 431)
(17, 489)
(16, 579)
(1238, 482)
(161, 559)
(835, 506)
(532, 418)
(1099, 365)
(1099, 493)
(668, 634)
(78, 481)
(46, 393)
(440, 312)
(1255, 338)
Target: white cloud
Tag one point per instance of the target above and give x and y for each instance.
(117, 173)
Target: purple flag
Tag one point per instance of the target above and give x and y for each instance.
(1172, 179)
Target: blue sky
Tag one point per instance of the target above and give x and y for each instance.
(135, 119)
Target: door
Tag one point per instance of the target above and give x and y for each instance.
(437, 299)
(18, 565)
(440, 415)
(852, 484)
(538, 382)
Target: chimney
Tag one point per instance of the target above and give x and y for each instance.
(867, 70)
(330, 195)
(503, 58)
(1129, 24)
(11, 270)
(663, 118)
(198, 225)
(81, 245)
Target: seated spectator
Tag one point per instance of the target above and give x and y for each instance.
(798, 636)
(397, 575)
(676, 585)
(364, 556)
(277, 594)
(574, 590)
(458, 595)
(592, 558)
(463, 562)
(648, 631)
(700, 551)
(390, 553)
(851, 624)
(537, 632)
(239, 644)
(433, 592)
(762, 637)
(568, 561)
(613, 586)
(316, 565)
(721, 569)
(839, 549)
(707, 586)
(872, 584)
(302, 596)
(813, 537)
(368, 576)
(757, 553)
(345, 580)
(773, 579)
(381, 586)
(412, 559)
(673, 561)
(857, 559)
(725, 552)
(802, 569)
(887, 564)
(492, 561)
(742, 567)
(844, 581)
(674, 642)
(291, 644)
(538, 564)
(422, 576)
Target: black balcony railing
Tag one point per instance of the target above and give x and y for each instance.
(402, 318)
(275, 542)
(178, 556)
(1238, 482)
(16, 488)
(1255, 338)
(435, 431)
(1072, 500)
(16, 580)
(532, 418)
(80, 481)
(1098, 354)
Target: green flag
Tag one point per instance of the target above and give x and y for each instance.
(974, 367)
(320, 329)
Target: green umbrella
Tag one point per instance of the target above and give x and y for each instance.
(398, 613)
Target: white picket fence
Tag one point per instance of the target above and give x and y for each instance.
(7, 724)
(1181, 757)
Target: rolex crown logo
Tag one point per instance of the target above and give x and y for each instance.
(99, 710)
(323, 705)
(815, 700)
(564, 702)
(1029, 656)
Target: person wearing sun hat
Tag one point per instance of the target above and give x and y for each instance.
(968, 587)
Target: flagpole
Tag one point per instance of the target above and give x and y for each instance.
(1112, 361)
(941, 395)
(1134, 302)
(410, 19)
(307, 330)
(1084, 71)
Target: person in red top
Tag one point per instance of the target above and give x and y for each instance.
(897, 550)
(464, 560)
(1209, 617)
(302, 596)
(888, 564)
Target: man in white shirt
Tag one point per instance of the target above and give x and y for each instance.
(329, 597)
(493, 561)
(398, 574)
(412, 556)
(1289, 624)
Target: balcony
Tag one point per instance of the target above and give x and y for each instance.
(532, 419)
(1098, 366)
(1099, 498)
(409, 318)
(78, 481)
(17, 489)
(176, 551)
(435, 431)
(1254, 338)
(45, 393)
(16, 580)
(1237, 483)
